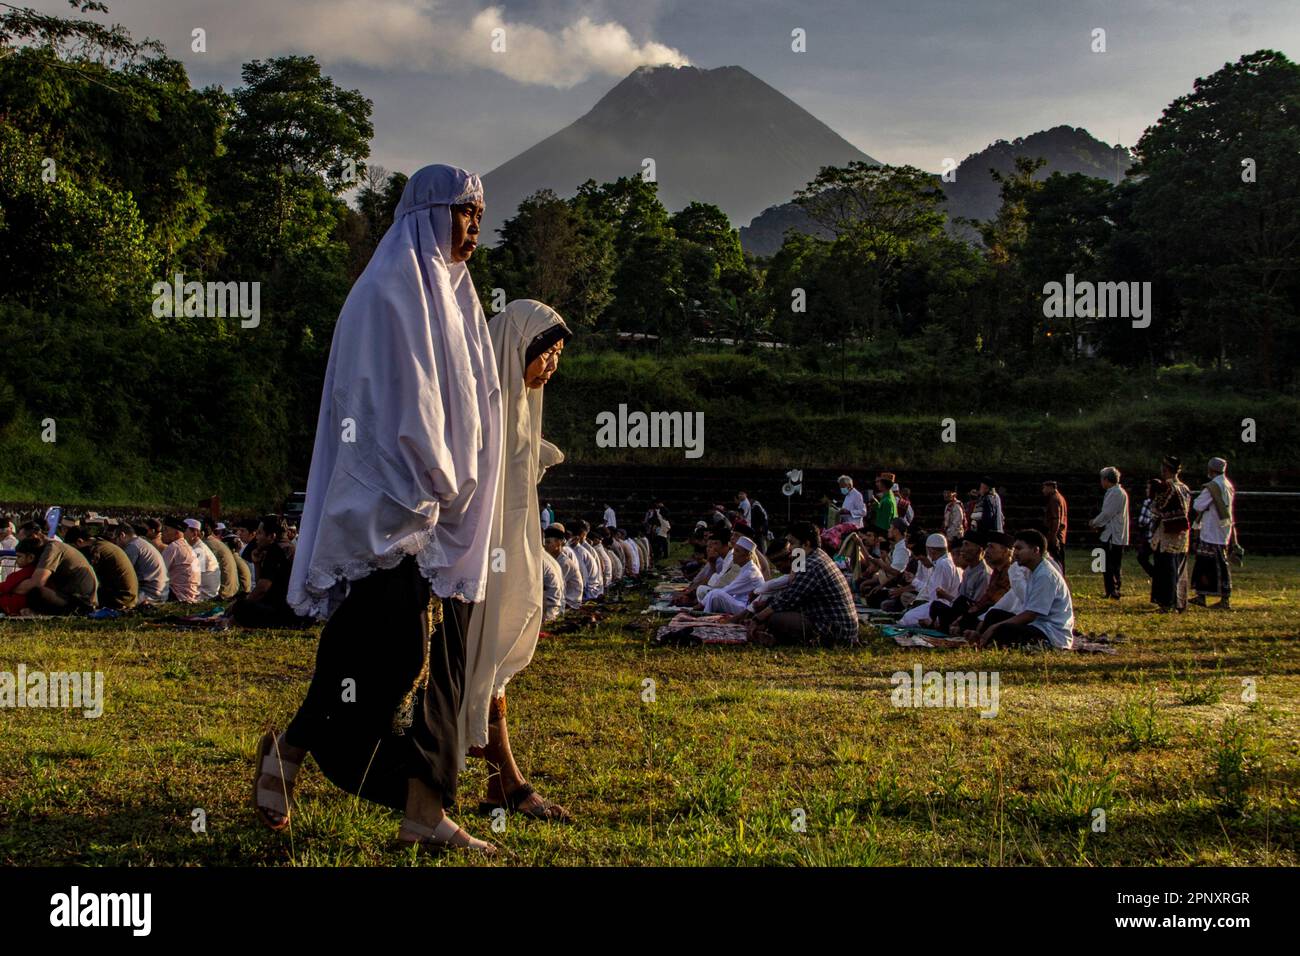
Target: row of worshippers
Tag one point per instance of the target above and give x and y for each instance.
(989, 587)
(581, 563)
(795, 594)
(126, 565)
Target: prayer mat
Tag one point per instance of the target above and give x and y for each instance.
(700, 629)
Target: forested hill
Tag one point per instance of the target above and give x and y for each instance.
(971, 191)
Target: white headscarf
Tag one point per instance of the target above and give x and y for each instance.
(503, 628)
(408, 443)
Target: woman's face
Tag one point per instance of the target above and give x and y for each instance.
(541, 369)
(465, 220)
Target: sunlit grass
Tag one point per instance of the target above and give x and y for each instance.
(1186, 740)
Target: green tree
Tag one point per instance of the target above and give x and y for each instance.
(880, 216)
(1218, 206)
(1013, 312)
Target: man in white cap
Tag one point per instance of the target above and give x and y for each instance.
(1211, 573)
(732, 596)
(941, 583)
(209, 566)
(854, 509)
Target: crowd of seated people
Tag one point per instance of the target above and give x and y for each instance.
(968, 578)
(119, 565)
(583, 563)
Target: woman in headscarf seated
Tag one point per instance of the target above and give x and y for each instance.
(394, 541)
(527, 338)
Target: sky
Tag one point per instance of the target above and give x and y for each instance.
(906, 82)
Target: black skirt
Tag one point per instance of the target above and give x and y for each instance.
(375, 715)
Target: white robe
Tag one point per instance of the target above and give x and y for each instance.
(552, 588)
(593, 582)
(573, 581)
(408, 442)
(945, 575)
(503, 627)
(631, 557)
(747, 578)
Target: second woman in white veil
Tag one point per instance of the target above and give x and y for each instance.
(527, 338)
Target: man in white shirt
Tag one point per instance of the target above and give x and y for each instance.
(1048, 610)
(854, 509)
(555, 544)
(631, 553)
(593, 575)
(606, 561)
(731, 596)
(609, 517)
(1211, 572)
(610, 544)
(209, 566)
(1112, 522)
(743, 505)
(552, 587)
(941, 583)
(10, 540)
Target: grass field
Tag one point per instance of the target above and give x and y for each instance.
(738, 744)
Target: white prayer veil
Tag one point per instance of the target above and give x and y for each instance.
(503, 628)
(408, 443)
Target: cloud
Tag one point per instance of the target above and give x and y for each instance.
(564, 59)
(441, 36)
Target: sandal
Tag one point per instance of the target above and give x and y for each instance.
(549, 810)
(447, 835)
(277, 800)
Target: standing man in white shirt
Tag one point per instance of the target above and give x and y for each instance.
(1211, 573)
(854, 509)
(609, 517)
(1112, 522)
(744, 505)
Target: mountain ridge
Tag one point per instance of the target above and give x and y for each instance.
(718, 135)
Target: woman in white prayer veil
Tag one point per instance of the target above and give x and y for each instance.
(393, 546)
(527, 338)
